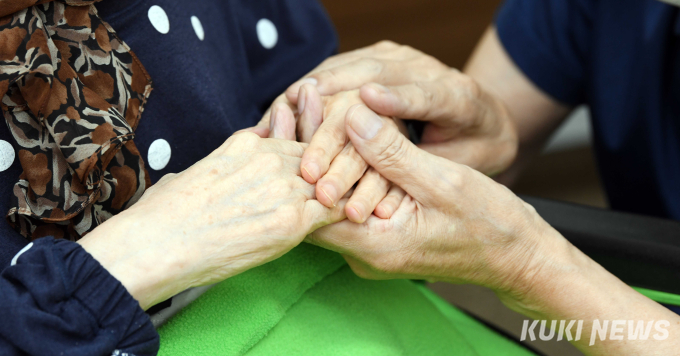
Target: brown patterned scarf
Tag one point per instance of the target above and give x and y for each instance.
(72, 95)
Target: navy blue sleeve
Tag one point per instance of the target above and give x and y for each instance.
(549, 41)
(56, 298)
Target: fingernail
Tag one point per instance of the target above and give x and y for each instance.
(330, 193)
(359, 208)
(272, 119)
(302, 82)
(310, 80)
(365, 122)
(380, 89)
(302, 99)
(312, 170)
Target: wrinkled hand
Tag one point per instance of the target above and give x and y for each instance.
(242, 206)
(455, 224)
(330, 161)
(465, 123)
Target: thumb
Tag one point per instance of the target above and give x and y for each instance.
(389, 152)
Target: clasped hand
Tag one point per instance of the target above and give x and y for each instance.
(243, 205)
(463, 122)
(414, 212)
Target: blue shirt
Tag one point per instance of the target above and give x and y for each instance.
(206, 89)
(215, 71)
(622, 58)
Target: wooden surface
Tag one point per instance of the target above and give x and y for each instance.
(445, 29)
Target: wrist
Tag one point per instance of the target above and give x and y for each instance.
(548, 267)
(147, 271)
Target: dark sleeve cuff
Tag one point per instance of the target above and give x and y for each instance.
(60, 299)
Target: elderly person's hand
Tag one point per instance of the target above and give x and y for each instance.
(460, 226)
(330, 161)
(243, 205)
(455, 224)
(464, 122)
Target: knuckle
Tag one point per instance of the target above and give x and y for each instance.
(434, 63)
(407, 48)
(467, 108)
(455, 72)
(335, 135)
(427, 68)
(271, 160)
(406, 51)
(354, 158)
(246, 141)
(282, 186)
(290, 214)
(392, 123)
(386, 45)
(374, 185)
(395, 154)
(336, 180)
(373, 65)
(329, 75)
(336, 106)
(372, 175)
(467, 93)
(347, 97)
(457, 179)
(364, 200)
(318, 152)
(470, 86)
(429, 97)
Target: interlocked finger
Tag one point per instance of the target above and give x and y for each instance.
(371, 190)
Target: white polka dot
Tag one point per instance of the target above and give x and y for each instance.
(198, 27)
(6, 155)
(159, 19)
(266, 33)
(159, 154)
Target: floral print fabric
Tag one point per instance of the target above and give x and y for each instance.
(72, 94)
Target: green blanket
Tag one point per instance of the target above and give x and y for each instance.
(309, 302)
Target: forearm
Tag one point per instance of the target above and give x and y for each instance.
(144, 264)
(571, 286)
(535, 114)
